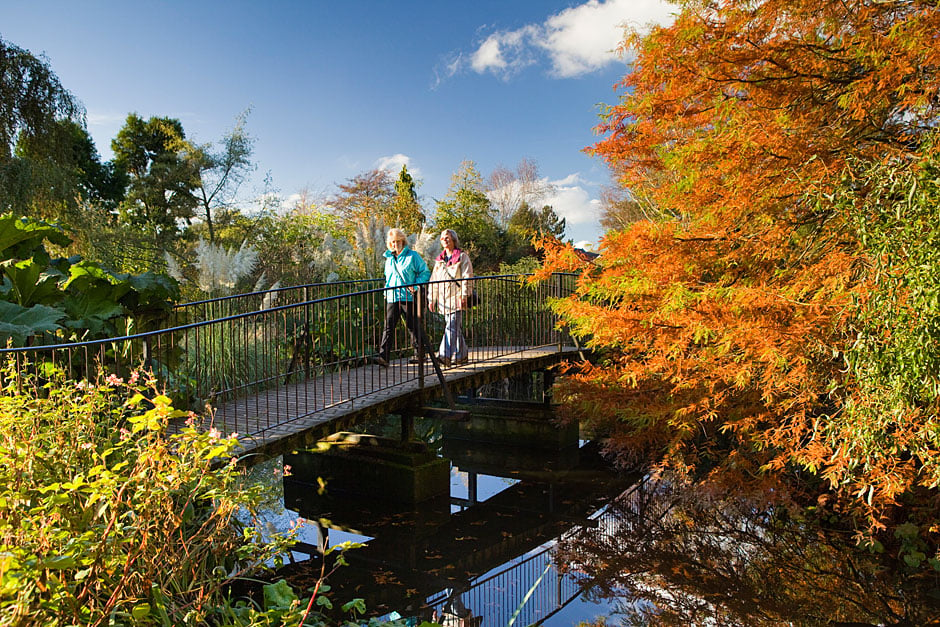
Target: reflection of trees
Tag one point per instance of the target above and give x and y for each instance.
(689, 557)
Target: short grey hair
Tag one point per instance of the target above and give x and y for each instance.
(453, 236)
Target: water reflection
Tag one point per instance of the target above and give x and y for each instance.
(525, 530)
(476, 556)
(683, 555)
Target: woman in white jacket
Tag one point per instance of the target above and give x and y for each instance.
(449, 291)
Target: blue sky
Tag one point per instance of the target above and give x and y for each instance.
(339, 88)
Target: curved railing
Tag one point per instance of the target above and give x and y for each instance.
(238, 357)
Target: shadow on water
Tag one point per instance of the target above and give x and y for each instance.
(532, 526)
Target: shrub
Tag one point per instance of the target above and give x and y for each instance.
(107, 517)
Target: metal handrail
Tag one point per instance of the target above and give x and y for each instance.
(238, 358)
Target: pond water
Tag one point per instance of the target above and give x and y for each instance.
(543, 531)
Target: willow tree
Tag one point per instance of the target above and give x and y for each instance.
(33, 105)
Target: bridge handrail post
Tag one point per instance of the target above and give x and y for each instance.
(308, 340)
(419, 312)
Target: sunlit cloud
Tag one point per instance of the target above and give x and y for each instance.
(574, 42)
(573, 202)
(394, 163)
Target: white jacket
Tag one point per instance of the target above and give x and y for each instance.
(452, 288)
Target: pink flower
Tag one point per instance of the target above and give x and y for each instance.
(214, 433)
(134, 376)
(113, 379)
(287, 472)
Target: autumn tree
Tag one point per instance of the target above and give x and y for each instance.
(368, 194)
(727, 318)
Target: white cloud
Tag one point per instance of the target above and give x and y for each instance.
(577, 41)
(394, 163)
(488, 56)
(106, 119)
(573, 202)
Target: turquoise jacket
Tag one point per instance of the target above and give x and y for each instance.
(406, 269)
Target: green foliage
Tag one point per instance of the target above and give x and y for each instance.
(163, 171)
(467, 210)
(97, 500)
(527, 224)
(405, 211)
(59, 180)
(895, 357)
(17, 323)
(31, 99)
(76, 299)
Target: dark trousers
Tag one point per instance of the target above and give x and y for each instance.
(393, 312)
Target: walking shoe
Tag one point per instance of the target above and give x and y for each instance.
(380, 361)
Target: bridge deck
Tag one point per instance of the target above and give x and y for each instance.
(291, 415)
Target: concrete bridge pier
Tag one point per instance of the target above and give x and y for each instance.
(373, 467)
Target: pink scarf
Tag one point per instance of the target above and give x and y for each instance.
(454, 258)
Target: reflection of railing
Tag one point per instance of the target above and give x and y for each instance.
(525, 592)
(534, 588)
(315, 342)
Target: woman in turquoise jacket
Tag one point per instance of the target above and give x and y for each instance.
(404, 270)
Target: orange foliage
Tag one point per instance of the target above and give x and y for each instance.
(725, 326)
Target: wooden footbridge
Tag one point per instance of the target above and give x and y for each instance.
(283, 368)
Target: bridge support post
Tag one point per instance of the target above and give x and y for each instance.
(548, 380)
(407, 426)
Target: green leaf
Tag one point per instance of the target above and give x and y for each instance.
(18, 322)
(21, 237)
(58, 562)
(141, 611)
(30, 284)
(278, 595)
(356, 604)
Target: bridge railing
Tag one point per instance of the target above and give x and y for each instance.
(234, 304)
(287, 361)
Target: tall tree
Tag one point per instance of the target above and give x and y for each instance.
(164, 175)
(32, 103)
(222, 172)
(467, 210)
(509, 189)
(405, 211)
(526, 225)
(728, 317)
